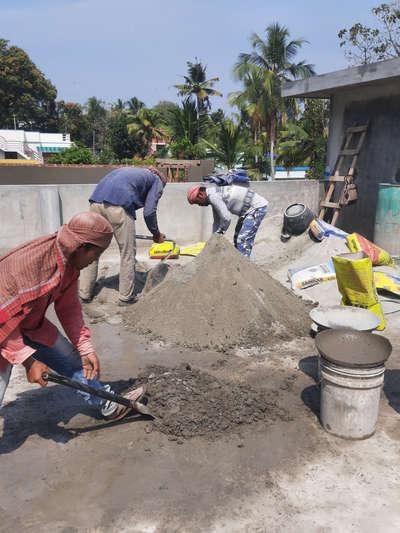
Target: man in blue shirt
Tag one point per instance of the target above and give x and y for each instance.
(117, 198)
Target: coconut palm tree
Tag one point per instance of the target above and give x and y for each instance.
(228, 148)
(253, 101)
(198, 87)
(134, 104)
(145, 126)
(185, 124)
(186, 130)
(273, 57)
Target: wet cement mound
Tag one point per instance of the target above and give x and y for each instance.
(219, 300)
(188, 403)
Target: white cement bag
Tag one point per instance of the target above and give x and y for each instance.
(301, 278)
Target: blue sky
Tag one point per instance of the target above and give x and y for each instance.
(122, 48)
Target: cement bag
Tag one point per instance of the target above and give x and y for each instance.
(387, 281)
(356, 284)
(321, 229)
(301, 278)
(193, 250)
(358, 243)
(158, 251)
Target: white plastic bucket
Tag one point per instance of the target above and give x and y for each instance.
(350, 399)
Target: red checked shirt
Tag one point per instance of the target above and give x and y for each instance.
(39, 329)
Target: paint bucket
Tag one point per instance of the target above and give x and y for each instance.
(352, 372)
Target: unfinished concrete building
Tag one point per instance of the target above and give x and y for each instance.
(368, 94)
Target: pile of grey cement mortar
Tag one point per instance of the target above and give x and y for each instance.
(220, 300)
(187, 403)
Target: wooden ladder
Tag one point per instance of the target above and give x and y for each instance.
(337, 177)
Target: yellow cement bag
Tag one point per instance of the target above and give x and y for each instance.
(193, 250)
(387, 281)
(158, 251)
(358, 243)
(355, 280)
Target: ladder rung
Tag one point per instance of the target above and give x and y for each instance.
(349, 152)
(356, 129)
(329, 204)
(336, 178)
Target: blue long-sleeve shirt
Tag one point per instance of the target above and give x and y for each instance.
(132, 189)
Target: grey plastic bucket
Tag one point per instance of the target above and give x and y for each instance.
(350, 399)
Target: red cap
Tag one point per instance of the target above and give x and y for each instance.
(192, 193)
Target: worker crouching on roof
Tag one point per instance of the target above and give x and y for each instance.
(33, 276)
(117, 198)
(249, 206)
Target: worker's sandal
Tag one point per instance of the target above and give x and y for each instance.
(113, 411)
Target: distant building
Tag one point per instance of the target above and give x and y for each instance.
(31, 145)
(367, 94)
(158, 143)
(294, 173)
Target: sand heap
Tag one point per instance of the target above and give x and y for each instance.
(187, 403)
(218, 301)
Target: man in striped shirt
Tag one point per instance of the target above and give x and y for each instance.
(226, 200)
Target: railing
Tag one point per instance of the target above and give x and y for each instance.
(11, 146)
(33, 154)
(21, 148)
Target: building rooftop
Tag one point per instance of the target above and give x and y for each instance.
(326, 85)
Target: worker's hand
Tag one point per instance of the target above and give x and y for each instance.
(90, 366)
(34, 370)
(159, 238)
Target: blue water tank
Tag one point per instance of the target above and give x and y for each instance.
(387, 219)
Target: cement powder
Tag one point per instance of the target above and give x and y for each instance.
(187, 403)
(219, 300)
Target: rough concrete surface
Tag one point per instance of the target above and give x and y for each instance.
(63, 470)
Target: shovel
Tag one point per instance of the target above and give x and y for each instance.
(157, 273)
(100, 393)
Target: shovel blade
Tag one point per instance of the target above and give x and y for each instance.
(142, 409)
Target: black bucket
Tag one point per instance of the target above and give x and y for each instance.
(296, 219)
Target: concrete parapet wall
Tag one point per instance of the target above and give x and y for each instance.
(28, 211)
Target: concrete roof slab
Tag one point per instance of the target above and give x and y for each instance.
(326, 85)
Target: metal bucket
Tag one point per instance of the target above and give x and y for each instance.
(350, 399)
(352, 367)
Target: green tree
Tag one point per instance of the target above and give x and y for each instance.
(228, 148)
(363, 45)
(76, 155)
(97, 122)
(196, 85)
(218, 116)
(119, 105)
(122, 143)
(186, 130)
(25, 94)
(306, 141)
(133, 105)
(144, 126)
(70, 119)
(264, 70)
(106, 157)
(164, 110)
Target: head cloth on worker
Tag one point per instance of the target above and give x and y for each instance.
(35, 268)
(84, 228)
(192, 193)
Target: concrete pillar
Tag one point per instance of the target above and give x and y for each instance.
(50, 212)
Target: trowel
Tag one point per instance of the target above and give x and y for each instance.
(100, 393)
